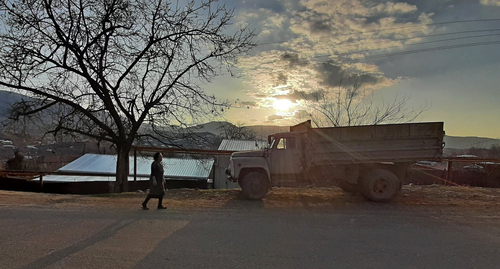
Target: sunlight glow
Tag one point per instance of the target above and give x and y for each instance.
(282, 105)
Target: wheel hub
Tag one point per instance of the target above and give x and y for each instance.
(255, 185)
(380, 185)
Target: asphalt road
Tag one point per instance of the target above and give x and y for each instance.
(373, 236)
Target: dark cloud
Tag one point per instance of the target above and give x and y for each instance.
(329, 75)
(260, 95)
(294, 60)
(332, 76)
(281, 79)
(249, 103)
(320, 27)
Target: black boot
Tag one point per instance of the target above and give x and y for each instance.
(145, 203)
(160, 203)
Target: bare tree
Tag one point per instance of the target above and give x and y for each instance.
(350, 104)
(478, 151)
(106, 68)
(237, 131)
(494, 151)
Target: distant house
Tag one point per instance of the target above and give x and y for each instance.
(7, 144)
(220, 177)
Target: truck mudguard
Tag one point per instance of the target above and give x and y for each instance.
(243, 163)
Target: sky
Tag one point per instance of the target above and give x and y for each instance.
(441, 54)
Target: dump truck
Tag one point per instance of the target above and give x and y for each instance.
(369, 159)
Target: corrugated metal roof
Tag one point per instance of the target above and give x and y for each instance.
(242, 145)
(66, 179)
(174, 167)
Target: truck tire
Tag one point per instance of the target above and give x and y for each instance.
(254, 185)
(380, 185)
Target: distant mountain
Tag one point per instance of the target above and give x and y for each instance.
(7, 99)
(214, 127)
(465, 142)
(263, 131)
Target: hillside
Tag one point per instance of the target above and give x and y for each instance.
(214, 127)
(465, 142)
(7, 99)
(262, 131)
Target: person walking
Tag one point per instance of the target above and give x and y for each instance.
(156, 182)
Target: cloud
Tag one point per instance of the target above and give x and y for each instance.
(281, 79)
(314, 45)
(249, 103)
(274, 117)
(491, 2)
(302, 115)
(294, 60)
(395, 8)
(331, 75)
(272, 5)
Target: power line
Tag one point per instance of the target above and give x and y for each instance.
(437, 23)
(429, 49)
(398, 28)
(406, 45)
(475, 44)
(423, 36)
(420, 43)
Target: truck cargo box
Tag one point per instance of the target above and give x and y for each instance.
(372, 143)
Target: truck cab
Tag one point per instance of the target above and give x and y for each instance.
(256, 170)
(284, 154)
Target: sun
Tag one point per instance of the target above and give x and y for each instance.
(282, 105)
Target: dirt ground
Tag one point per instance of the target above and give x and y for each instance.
(433, 196)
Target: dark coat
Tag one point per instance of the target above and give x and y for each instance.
(156, 172)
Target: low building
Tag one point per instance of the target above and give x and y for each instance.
(93, 168)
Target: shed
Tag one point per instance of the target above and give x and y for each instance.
(177, 170)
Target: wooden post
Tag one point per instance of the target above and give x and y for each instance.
(449, 172)
(135, 168)
(41, 182)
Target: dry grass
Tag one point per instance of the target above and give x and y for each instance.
(434, 196)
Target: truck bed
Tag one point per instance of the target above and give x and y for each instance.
(375, 143)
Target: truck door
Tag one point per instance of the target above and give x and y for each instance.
(285, 157)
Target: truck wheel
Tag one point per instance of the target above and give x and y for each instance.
(254, 185)
(380, 185)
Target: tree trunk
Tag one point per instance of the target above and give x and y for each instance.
(122, 168)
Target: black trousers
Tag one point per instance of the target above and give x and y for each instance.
(160, 200)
